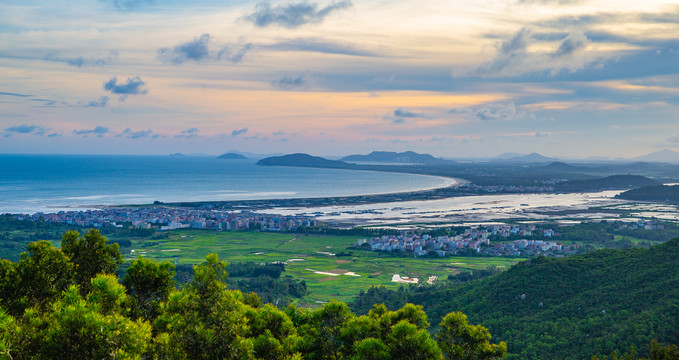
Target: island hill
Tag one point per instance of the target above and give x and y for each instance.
(231, 156)
(661, 193)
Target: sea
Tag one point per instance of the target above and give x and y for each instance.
(52, 183)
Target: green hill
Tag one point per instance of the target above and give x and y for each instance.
(614, 182)
(569, 308)
(652, 193)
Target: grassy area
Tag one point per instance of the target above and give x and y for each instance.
(308, 252)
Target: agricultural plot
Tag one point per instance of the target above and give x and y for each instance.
(311, 258)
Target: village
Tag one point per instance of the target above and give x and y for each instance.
(165, 218)
(475, 240)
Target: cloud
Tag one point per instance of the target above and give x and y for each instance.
(293, 15)
(99, 131)
(233, 56)
(128, 4)
(54, 135)
(517, 56)
(494, 112)
(199, 49)
(140, 134)
(133, 86)
(14, 94)
(101, 102)
(318, 45)
(278, 133)
(400, 115)
(400, 112)
(550, 2)
(27, 129)
(674, 138)
(188, 133)
(83, 62)
(239, 132)
(289, 83)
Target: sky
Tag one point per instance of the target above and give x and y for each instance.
(563, 78)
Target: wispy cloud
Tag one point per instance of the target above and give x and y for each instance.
(494, 112)
(516, 56)
(318, 45)
(239, 132)
(289, 83)
(188, 133)
(293, 15)
(99, 131)
(138, 134)
(128, 4)
(199, 49)
(14, 94)
(101, 102)
(400, 115)
(27, 129)
(82, 61)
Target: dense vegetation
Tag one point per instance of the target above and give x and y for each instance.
(606, 183)
(572, 307)
(68, 304)
(653, 193)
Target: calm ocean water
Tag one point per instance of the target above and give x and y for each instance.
(49, 183)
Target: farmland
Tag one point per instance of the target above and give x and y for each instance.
(329, 268)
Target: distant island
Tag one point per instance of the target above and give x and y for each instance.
(231, 156)
(668, 193)
(303, 160)
(177, 154)
(407, 157)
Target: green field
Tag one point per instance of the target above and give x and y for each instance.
(191, 246)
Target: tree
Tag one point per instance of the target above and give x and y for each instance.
(460, 340)
(204, 320)
(148, 283)
(407, 342)
(91, 256)
(78, 328)
(43, 273)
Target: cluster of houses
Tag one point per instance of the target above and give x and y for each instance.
(474, 240)
(163, 218)
(506, 188)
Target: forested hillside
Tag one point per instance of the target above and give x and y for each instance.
(565, 308)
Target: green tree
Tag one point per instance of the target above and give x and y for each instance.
(91, 255)
(407, 342)
(43, 273)
(460, 340)
(204, 320)
(79, 328)
(148, 283)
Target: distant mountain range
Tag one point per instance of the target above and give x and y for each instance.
(666, 156)
(407, 157)
(530, 158)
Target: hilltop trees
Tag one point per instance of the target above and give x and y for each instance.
(69, 304)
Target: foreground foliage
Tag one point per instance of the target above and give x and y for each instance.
(570, 308)
(69, 304)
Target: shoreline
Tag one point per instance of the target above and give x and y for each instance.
(263, 204)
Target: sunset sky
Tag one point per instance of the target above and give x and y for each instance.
(450, 78)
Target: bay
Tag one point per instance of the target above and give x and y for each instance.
(50, 183)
